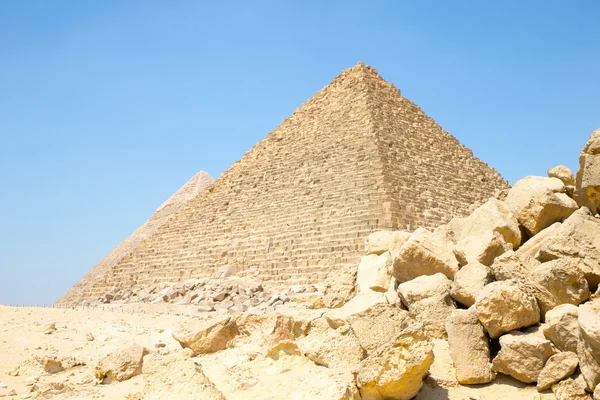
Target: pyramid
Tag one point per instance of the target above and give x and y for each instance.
(355, 158)
(187, 192)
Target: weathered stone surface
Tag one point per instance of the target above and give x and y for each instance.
(121, 364)
(374, 272)
(206, 335)
(469, 281)
(504, 306)
(522, 355)
(381, 241)
(424, 287)
(578, 237)
(469, 348)
(53, 364)
(563, 173)
(396, 370)
(532, 246)
(511, 265)
(588, 175)
(489, 231)
(538, 202)
(267, 329)
(339, 286)
(572, 388)
(564, 279)
(558, 367)
(588, 347)
(561, 327)
(424, 254)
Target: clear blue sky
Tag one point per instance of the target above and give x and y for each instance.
(107, 107)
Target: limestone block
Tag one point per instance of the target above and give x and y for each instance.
(532, 246)
(469, 281)
(588, 175)
(424, 287)
(564, 279)
(469, 348)
(523, 355)
(266, 329)
(381, 241)
(562, 328)
(339, 286)
(558, 367)
(571, 388)
(424, 254)
(563, 173)
(538, 202)
(205, 336)
(504, 306)
(513, 265)
(588, 347)
(577, 237)
(374, 272)
(396, 370)
(121, 364)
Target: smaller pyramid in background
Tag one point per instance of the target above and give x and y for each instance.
(177, 201)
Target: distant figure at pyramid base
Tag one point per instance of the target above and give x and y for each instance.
(356, 158)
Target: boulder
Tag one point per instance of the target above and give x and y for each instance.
(504, 306)
(424, 287)
(532, 246)
(396, 370)
(588, 175)
(424, 254)
(382, 241)
(561, 327)
(538, 202)
(469, 281)
(564, 279)
(513, 265)
(339, 286)
(121, 364)
(578, 237)
(523, 355)
(266, 329)
(563, 173)
(469, 348)
(588, 347)
(558, 367)
(374, 272)
(572, 388)
(205, 336)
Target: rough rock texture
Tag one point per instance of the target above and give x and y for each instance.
(563, 173)
(564, 279)
(588, 347)
(588, 175)
(562, 328)
(557, 368)
(539, 202)
(356, 158)
(204, 335)
(522, 355)
(121, 364)
(513, 265)
(396, 370)
(381, 241)
(424, 253)
(469, 281)
(532, 246)
(503, 306)
(374, 272)
(340, 286)
(572, 388)
(469, 348)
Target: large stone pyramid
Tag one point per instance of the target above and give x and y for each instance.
(356, 158)
(187, 192)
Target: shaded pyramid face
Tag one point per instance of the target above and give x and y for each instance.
(355, 158)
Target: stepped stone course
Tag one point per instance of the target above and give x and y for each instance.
(356, 158)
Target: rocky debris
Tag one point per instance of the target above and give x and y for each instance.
(428, 300)
(588, 175)
(53, 364)
(588, 347)
(513, 265)
(374, 272)
(396, 370)
(268, 329)
(381, 241)
(523, 355)
(532, 246)
(49, 329)
(424, 253)
(339, 286)
(469, 348)
(563, 173)
(562, 328)
(203, 335)
(503, 306)
(538, 202)
(469, 281)
(572, 388)
(564, 279)
(121, 365)
(558, 367)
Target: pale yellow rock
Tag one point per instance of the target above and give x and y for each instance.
(469, 348)
(266, 329)
(564, 279)
(558, 367)
(571, 388)
(588, 347)
(121, 364)
(204, 335)
(382, 241)
(424, 254)
(522, 355)
(469, 281)
(532, 246)
(563, 173)
(504, 306)
(374, 272)
(513, 265)
(396, 370)
(588, 175)
(339, 286)
(562, 328)
(538, 202)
